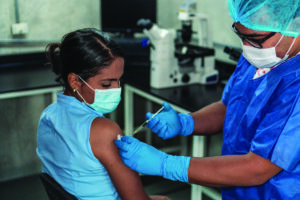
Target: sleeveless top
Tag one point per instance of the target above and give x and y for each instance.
(65, 150)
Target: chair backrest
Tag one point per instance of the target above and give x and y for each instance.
(54, 190)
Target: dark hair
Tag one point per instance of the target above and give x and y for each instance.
(83, 52)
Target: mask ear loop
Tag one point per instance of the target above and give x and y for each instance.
(80, 96)
(85, 83)
(279, 41)
(75, 90)
(294, 40)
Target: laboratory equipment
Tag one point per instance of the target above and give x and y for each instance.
(143, 124)
(182, 60)
(234, 53)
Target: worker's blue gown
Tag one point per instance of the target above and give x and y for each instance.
(263, 116)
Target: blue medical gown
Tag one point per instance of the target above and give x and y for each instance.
(263, 116)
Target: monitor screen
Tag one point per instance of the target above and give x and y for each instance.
(121, 16)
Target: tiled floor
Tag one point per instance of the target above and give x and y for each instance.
(31, 188)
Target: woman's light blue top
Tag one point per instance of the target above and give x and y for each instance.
(263, 116)
(65, 150)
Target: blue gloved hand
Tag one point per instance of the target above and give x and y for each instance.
(148, 160)
(169, 124)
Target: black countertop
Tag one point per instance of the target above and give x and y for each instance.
(20, 79)
(25, 72)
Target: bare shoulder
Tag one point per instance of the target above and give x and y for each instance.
(105, 128)
(102, 135)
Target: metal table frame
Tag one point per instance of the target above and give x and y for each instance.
(198, 141)
(32, 92)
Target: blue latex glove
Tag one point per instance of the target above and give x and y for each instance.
(146, 159)
(169, 124)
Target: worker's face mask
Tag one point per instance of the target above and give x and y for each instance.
(105, 101)
(265, 57)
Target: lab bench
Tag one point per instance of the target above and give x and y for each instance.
(26, 75)
(27, 86)
(32, 77)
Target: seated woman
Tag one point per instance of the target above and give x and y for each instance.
(75, 141)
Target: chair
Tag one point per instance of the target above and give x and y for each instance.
(54, 190)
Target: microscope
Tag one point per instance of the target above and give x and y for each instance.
(178, 60)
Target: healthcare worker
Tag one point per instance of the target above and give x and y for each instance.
(259, 114)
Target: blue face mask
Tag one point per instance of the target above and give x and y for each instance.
(105, 101)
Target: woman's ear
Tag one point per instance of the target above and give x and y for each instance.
(74, 81)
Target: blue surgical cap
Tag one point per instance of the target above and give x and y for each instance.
(267, 15)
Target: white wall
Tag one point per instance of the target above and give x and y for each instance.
(47, 20)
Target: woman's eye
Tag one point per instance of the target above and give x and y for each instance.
(106, 85)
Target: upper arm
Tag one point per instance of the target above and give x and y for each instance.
(127, 182)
